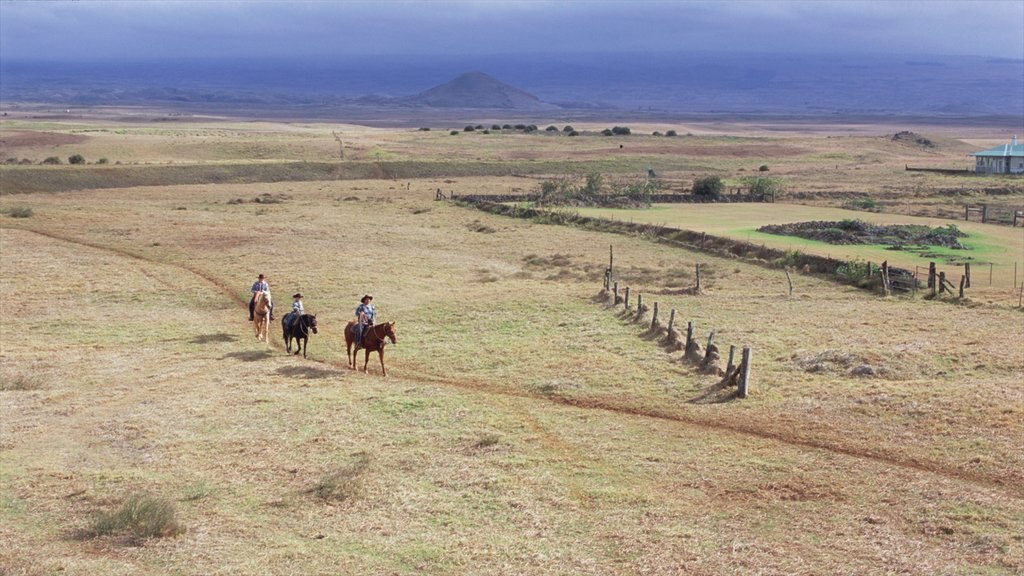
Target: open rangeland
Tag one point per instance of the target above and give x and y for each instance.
(525, 426)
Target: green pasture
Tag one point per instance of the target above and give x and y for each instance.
(999, 246)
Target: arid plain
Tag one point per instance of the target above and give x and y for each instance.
(526, 427)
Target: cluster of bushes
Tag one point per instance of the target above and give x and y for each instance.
(54, 160)
(669, 133)
(525, 128)
(568, 191)
(616, 131)
(712, 186)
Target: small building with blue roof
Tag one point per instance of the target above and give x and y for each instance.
(1002, 159)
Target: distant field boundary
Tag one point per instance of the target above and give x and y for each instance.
(680, 198)
(43, 179)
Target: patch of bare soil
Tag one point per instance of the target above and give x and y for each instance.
(11, 142)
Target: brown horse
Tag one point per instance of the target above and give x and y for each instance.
(261, 316)
(373, 341)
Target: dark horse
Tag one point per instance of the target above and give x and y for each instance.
(373, 341)
(299, 330)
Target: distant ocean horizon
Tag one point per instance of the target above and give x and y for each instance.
(682, 83)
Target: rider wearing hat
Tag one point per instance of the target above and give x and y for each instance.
(261, 285)
(366, 314)
(297, 309)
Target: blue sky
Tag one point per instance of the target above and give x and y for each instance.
(100, 30)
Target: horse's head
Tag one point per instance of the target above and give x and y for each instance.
(389, 331)
(311, 322)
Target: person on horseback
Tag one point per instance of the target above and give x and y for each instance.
(297, 310)
(261, 285)
(366, 314)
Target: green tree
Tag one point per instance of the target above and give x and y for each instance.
(76, 159)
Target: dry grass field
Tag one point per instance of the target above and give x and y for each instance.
(526, 427)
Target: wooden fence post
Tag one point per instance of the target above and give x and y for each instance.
(689, 334)
(711, 340)
(984, 213)
(790, 280)
(967, 273)
(744, 380)
(671, 320)
(615, 293)
(639, 306)
(963, 279)
(942, 282)
(732, 356)
(703, 236)
(698, 278)
(989, 273)
(931, 276)
(611, 262)
(626, 298)
(654, 317)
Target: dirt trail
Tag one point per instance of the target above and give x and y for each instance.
(410, 373)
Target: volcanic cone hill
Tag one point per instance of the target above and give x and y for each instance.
(478, 90)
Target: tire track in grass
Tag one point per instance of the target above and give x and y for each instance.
(920, 465)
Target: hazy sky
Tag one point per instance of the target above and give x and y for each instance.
(90, 30)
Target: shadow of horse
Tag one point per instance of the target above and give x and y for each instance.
(306, 372)
(248, 356)
(211, 338)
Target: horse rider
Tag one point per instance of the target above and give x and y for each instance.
(366, 314)
(260, 285)
(297, 310)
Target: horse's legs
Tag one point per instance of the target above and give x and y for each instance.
(380, 353)
(366, 359)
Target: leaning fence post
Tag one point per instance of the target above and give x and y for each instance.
(654, 318)
(963, 280)
(790, 280)
(671, 320)
(744, 380)
(732, 356)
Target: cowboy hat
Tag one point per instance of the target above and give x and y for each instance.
(297, 295)
(261, 276)
(365, 298)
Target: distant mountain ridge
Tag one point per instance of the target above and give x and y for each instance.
(478, 90)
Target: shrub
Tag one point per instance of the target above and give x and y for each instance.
(708, 186)
(574, 133)
(486, 132)
(479, 126)
(425, 129)
(468, 129)
(520, 126)
(621, 131)
(25, 161)
(530, 128)
(762, 168)
(51, 160)
(551, 129)
(141, 516)
(763, 185)
(607, 132)
(343, 482)
(76, 159)
(454, 133)
(495, 127)
(19, 212)
(671, 133)
(11, 161)
(655, 133)
(102, 161)
(506, 127)
(568, 128)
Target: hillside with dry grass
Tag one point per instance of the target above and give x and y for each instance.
(526, 425)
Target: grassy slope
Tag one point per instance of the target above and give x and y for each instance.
(606, 459)
(989, 243)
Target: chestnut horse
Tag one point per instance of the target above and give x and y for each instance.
(261, 316)
(373, 341)
(299, 330)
